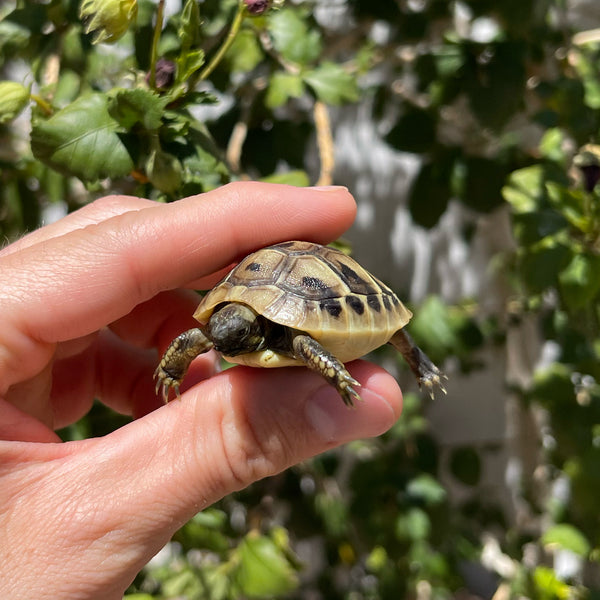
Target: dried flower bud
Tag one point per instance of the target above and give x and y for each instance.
(587, 160)
(256, 7)
(591, 176)
(164, 74)
(107, 20)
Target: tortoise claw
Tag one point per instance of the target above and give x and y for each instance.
(346, 389)
(432, 380)
(166, 382)
(427, 374)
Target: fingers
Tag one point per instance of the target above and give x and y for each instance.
(153, 324)
(232, 429)
(245, 424)
(94, 275)
(90, 214)
(116, 373)
(17, 425)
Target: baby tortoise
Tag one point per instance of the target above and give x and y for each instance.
(297, 303)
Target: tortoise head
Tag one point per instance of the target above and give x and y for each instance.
(235, 329)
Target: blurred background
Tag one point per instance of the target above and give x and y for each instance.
(467, 132)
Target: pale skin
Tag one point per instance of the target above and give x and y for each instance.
(88, 304)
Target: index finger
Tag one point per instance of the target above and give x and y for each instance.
(71, 285)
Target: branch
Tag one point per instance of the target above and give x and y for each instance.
(324, 143)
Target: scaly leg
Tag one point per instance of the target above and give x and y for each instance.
(177, 359)
(316, 358)
(427, 374)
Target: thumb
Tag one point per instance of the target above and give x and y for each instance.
(245, 424)
(131, 490)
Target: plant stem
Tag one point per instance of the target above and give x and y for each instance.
(324, 143)
(160, 13)
(235, 27)
(42, 104)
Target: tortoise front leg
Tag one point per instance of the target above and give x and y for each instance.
(177, 359)
(427, 374)
(317, 359)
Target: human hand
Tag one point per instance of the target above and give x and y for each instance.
(87, 304)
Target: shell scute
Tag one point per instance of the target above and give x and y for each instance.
(356, 304)
(373, 302)
(358, 280)
(260, 268)
(310, 278)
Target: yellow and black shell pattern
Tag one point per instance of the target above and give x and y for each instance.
(314, 289)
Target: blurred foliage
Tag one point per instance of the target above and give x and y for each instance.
(500, 103)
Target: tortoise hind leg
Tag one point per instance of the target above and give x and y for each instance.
(427, 374)
(177, 359)
(317, 359)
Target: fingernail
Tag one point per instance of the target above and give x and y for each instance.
(329, 188)
(338, 423)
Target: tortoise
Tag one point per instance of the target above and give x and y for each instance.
(297, 303)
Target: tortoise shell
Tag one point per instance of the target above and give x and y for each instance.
(314, 289)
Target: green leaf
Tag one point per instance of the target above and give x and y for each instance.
(139, 105)
(525, 188)
(580, 280)
(263, 569)
(493, 78)
(68, 88)
(295, 178)
(205, 530)
(212, 518)
(203, 169)
(566, 537)
(427, 489)
(13, 37)
(188, 31)
(552, 386)
(588, 70)
(185, 583)
(164, 171)
(432, 326)
(188, 63)
(245, 53)
(541, 266)
(572, 203)
(448, 60)
(413, 525)
(292, 37)
(548, 586)
(552, 144)
(483, 183)
(530, 228)
(82, 140)
(333, 512)
(415, 131)
(282, 87)
(430, 192)
(332, 84)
